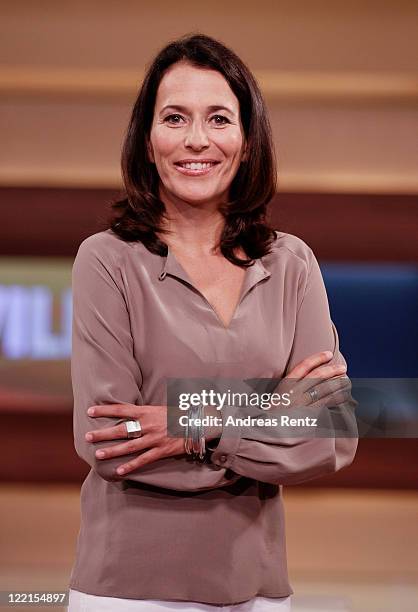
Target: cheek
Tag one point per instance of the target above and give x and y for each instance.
(164, 142)
(230, 143)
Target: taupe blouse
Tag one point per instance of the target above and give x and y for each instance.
(176, 529)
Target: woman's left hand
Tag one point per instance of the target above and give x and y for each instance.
(153, 420)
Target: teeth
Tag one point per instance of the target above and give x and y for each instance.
(197, 166)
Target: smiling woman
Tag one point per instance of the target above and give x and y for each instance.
(190, 281)
(199, 129)
(199, 103)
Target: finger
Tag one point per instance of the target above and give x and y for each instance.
(333, 400)
(323, 388)
(322, 374)
(107, 433)
(307, 364)
(148, 457)
(338, 382)
(339, 398)
(125, 448)
(123, 410)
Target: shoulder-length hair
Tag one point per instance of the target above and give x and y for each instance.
(138, 216)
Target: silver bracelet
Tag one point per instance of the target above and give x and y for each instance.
(194, 438)
(187, 435)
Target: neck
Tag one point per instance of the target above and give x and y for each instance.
(195, 227)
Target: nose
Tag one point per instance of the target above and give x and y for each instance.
(196, 136)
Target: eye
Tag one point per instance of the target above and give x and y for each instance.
(224, 119)
(172, 116)
(174, 119)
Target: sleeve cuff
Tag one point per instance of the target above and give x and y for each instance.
(224, 453)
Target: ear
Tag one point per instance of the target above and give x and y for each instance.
(150, 153)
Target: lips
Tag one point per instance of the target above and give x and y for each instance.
(194, 168)
(189, 162)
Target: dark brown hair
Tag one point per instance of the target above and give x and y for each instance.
(138, 216)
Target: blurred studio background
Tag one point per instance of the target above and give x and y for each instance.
(341, 83)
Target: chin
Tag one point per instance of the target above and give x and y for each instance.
(197, 198)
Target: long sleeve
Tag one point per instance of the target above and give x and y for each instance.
(251, 451)
(104, 370)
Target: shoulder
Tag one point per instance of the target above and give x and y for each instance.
(104, 247)
(101, 257)
(290, 249)
(105, 244)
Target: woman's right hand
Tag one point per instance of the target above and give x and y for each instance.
(332, 386)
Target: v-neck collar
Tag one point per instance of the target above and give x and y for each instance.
(253, 275)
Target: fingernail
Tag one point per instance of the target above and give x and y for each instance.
(90, 411)
(100, 454)
(120, 470)
(89, 437)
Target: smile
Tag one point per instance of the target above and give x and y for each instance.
(196, 169)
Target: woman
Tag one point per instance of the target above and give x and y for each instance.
(190, 281)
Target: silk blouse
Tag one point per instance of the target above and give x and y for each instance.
(175, 529)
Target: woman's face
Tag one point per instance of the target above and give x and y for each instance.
(196, 120)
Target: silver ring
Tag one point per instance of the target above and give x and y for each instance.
(314, 395)
(133, 429)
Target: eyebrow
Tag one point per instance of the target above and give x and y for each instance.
(183, 109)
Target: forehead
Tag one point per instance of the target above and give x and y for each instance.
(190, 85)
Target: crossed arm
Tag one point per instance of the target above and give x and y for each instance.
(105, 373)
